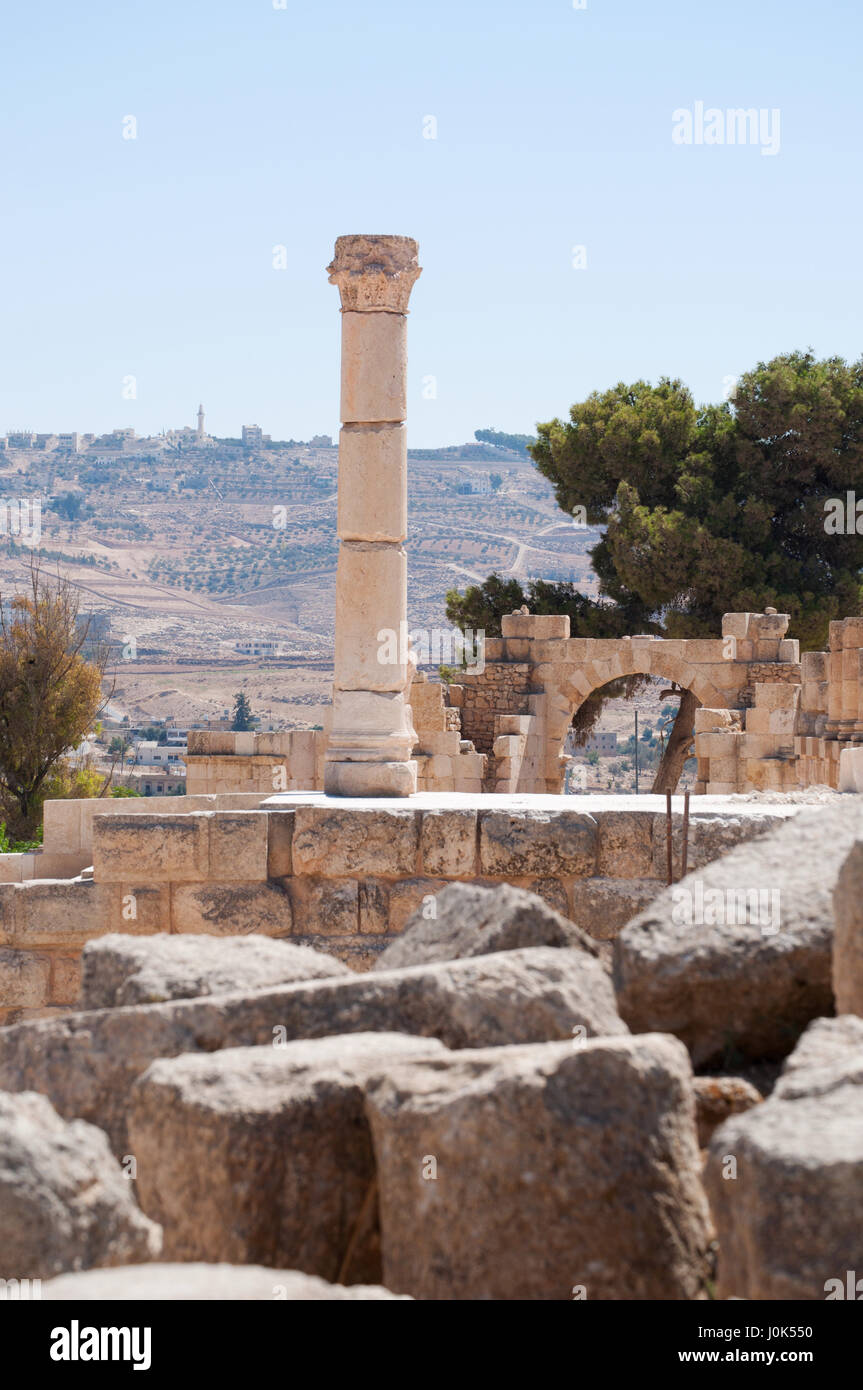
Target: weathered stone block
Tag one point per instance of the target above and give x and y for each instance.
(166, 849)
(86, 1062)
(786, 1226)
(24, 979)
(324, 906)
(64, 1202)
(279, 837)
(625, 844)
(345, 842)
(282, 1135)
(65, 979)
(226, 909)
(448, 841)
(122, 970)
(238, 846)
(553, 1211)
(537, 842)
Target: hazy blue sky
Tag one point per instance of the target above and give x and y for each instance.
(259, 127)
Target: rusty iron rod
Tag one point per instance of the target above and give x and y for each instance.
(685, 852)
(669, 863)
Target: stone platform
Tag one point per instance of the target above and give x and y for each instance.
(344, 874)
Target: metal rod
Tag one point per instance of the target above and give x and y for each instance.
(636, 752)
(685, 852)
(668, 859)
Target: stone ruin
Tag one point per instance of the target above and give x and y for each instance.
(463, 1042)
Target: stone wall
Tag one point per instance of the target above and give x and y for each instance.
(342, 878)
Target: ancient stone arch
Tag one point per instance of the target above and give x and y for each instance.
(518, 709)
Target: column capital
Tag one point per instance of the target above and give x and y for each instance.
(374, 273)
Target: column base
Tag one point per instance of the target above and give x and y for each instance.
(370, 779)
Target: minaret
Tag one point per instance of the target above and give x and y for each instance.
(200, 422)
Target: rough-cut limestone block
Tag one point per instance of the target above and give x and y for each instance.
(324, 906)
(542, 627)
(204, 1283)
(770, 625)
(64, 1201)
(782, 722)
(122, 970)
(280, 835)
(24, 979)
(721, 744)
(86, 1062)
(448, 841)
(374, 367)
(814, 667)
(472, 919)
(758, 721)
(61, 822)
(51, 913)
(508, 746)
(408, 895)
(695, 963)
(66, 979)
(372, 499)
(789, 649)
(556, 1168)
(710, 720)
(776, 695)
(719, 1097)
(723, 769)
(142, 908)
(603, 906)
(166, 849)
(537, 842)
(238, 845)
(346, 842)
(282, 1135)
(228, 909)
(847, 969)
(552, 891)
(787, 1223)
(705, 650)
(625, 844)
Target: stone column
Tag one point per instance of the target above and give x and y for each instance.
(372, 734)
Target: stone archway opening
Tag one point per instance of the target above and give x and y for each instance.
(633, 734)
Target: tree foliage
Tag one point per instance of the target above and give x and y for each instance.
(49, 693)
(243, 719)
(720, 508)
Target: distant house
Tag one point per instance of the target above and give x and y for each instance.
(601, 741)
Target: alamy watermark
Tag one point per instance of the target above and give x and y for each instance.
(697, 906)
(437, 646)
(737, 125)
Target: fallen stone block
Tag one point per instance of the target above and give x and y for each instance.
(470, 919)
(603, 906)
(848, 942)
(785, 1180)
(736, 959)
(178, 1283)
(121, 970)
(546, 1172)
(65, 1204)
(263, 1155)
(87, 1062)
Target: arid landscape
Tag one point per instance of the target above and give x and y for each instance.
(192, 557)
